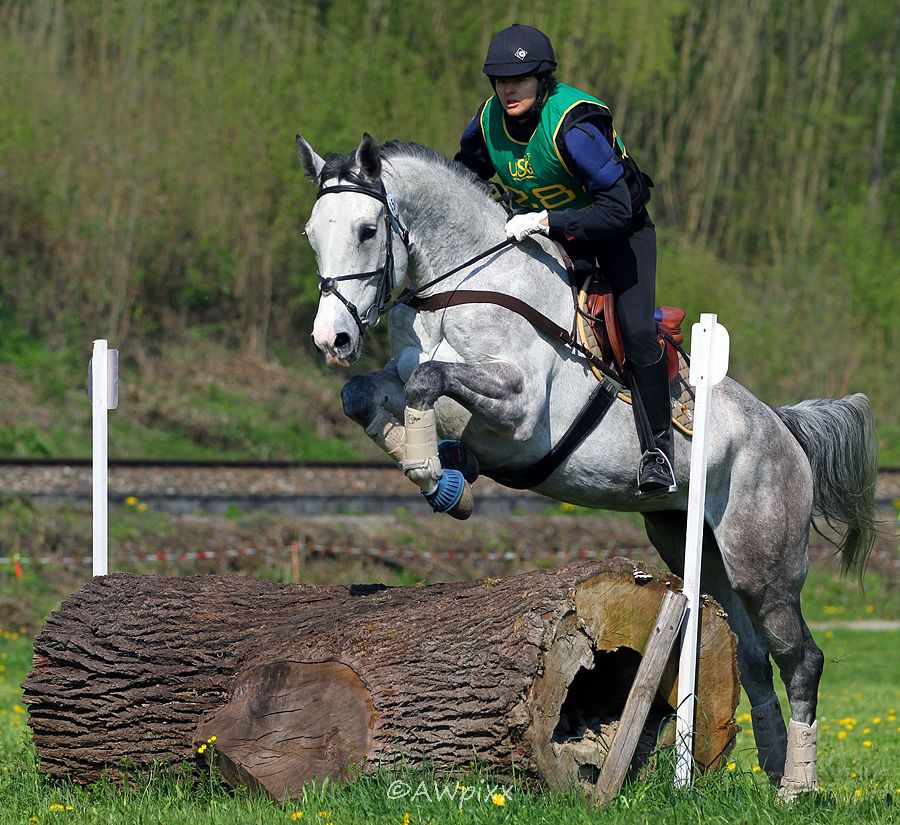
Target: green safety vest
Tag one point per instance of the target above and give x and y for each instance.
(534, 171)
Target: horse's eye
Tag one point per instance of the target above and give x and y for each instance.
(367, 231)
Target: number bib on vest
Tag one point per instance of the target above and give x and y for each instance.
(534, 172)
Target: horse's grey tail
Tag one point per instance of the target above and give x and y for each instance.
(838, 437)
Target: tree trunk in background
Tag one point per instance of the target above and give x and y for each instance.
(297, 681)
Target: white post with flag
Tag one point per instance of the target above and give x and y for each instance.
(103, 390)
(709, 364)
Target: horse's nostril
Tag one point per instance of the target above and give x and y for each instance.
(341, 340)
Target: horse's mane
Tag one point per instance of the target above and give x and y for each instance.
(343, 166)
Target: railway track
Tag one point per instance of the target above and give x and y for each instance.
(292, 487)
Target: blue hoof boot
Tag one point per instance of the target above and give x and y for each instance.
(449, 491)
(456, 455)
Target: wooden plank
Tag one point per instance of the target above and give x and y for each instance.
(643, 691)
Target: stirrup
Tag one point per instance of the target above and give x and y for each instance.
(655, 474)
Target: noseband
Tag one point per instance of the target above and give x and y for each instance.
(392, 224)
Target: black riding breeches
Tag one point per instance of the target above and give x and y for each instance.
(629, 267)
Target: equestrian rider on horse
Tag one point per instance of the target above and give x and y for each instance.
(555, 149)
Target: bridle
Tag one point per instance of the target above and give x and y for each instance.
(392, 224)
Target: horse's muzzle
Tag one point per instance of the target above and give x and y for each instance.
(339, 352)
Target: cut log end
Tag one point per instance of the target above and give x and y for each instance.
(287, 722)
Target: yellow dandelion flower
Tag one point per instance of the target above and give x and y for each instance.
(406, 818)
(731, 766)
(867, 744)
(34, 820)
(498, 799)
(867, 730)
(892, 718)
(857, 793)
(876, 720)
(756, 769)
(212, 738)
(853, 774)
(142, 508)
(870, 608)
(69, 808)
(826, 727)
(324, 814)
(842, 734)
(57, 807)
(201, 748)
(297, 815)
(18, 709)
(131, 501)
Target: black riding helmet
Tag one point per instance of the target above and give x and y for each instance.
(519, 50)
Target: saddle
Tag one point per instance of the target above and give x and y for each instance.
(599, 332)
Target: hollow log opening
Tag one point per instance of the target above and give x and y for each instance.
(593, 706)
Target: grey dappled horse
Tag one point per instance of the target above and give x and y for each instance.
(481, 374)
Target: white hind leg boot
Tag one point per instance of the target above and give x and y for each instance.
(771, 737)
(389, 434)
(800, 772)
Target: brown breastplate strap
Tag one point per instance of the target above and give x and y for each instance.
(458, 297)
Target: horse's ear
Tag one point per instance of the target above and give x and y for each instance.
(368, 158)
(311, 162)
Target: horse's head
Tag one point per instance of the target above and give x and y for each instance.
(356, 235)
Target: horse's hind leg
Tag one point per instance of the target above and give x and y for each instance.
(764, 546)
(667, 532)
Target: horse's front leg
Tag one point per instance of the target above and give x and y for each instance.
(492, 391)
(375, 402)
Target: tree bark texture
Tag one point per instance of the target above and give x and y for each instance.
(298, 681)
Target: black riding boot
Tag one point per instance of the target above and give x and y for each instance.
(656, 472)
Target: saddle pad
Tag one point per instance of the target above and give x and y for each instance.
(680, 390)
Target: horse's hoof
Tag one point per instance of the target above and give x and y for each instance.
(463, 508)
(458, 456)
(791, 793)
(448, 493)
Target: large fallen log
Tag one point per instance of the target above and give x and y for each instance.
(297, 681)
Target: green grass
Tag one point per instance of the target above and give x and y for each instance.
(858, 782)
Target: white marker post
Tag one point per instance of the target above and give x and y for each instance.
(103, 390)
(709, 363)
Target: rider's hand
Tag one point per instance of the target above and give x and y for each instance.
(519, 227)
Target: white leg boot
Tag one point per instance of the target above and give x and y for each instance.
(446, 491)
(800, 772)
(389, 434)
(770, 734)
(421, 463)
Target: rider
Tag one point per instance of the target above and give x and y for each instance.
(555, 149)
